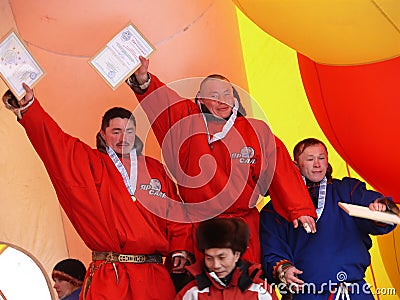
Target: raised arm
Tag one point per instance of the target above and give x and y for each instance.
(55, 148)
(74, 168)
(163, 106)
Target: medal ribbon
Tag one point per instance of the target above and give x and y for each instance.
(130, 182)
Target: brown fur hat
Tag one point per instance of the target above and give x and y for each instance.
(222, 233)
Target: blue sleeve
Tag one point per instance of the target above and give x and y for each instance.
(355, 192)
(274, 240)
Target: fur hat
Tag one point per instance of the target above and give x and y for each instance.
(71, 270)
(223, 233)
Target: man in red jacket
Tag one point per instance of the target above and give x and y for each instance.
(222, 274)
(105, 192)
(222, 160)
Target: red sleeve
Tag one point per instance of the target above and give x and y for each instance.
(76, 172)
(65, 157)
(164, 107)
(179, 232)
(180, 130)
(170, 211)
(288, 192)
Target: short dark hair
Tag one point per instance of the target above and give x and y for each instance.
(302, 145)
(116, 112)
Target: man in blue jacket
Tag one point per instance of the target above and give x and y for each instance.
(331, 262)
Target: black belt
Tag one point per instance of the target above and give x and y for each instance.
(127, 258)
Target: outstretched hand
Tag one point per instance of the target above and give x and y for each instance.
(307, 222)
(384, 204)
(141, 73)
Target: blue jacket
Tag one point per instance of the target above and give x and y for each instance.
(338, 251)
(74, 295)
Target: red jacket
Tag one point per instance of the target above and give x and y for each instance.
(246, 284)
(232, 172)
(93, 195)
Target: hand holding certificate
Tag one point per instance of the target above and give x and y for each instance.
(366, 213)
(17, 65)
(120, 58)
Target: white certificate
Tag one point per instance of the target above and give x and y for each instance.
(366, 213)
(17, 65)
(120, 58)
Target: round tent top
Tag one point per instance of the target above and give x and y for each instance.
(346, 32)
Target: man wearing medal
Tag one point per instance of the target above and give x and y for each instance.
(104, 193)
(222, 160)
(331, 263)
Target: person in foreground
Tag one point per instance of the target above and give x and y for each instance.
(223, 274)
(103, 192)
(221, 157)
(332, 262)
(68, 276)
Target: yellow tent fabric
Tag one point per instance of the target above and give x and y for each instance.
(275, 84)
(342, 32)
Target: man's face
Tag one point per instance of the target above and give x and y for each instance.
(120, 135)
(221, 261)
(217, 96)
(313, 162)
(63, 287)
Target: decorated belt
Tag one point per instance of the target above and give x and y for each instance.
(113, 257)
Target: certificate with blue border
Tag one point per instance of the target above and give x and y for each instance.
(120, 57)
(17, 65)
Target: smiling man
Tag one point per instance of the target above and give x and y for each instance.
(216, 94)
(331, 263)
(223, 161)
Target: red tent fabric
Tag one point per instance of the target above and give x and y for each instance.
(358, 109)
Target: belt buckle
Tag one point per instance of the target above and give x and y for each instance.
(139, 259)
(132, 258)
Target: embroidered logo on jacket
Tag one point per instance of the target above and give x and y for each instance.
(154, 188)
(245, 156)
